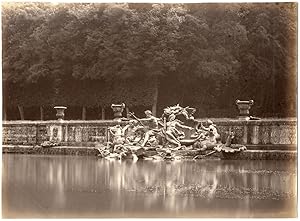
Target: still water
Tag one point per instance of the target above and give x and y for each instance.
(78, 186)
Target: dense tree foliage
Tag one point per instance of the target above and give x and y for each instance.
(150, 55)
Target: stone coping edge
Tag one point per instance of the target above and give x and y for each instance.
(57, 122)
(91, 151)
(218, 121)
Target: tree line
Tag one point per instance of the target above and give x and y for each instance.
(91, 55)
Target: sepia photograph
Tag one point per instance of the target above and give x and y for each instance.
(149, 110)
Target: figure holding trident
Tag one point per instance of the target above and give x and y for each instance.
(149, 125)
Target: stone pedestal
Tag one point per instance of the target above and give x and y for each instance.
(60, 112)
(118, 110)
(244, 107)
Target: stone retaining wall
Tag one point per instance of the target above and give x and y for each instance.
(269, 132)
(89, 151)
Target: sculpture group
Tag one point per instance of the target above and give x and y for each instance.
(174, 134)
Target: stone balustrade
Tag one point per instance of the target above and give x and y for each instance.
(274, 132)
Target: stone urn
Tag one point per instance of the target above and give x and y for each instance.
(60, 112)
(244, 107)
(118, 110)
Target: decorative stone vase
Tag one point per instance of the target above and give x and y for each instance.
(118, 110)
(60, 112)
(244, 107)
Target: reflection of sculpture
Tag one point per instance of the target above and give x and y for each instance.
(161, 138)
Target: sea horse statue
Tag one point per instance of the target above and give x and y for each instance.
(176, 130)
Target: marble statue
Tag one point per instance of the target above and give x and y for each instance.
(161, 138)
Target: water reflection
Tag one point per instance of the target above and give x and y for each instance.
(68, 186)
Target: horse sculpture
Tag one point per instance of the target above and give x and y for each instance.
(176, 130)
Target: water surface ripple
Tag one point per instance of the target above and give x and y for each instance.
(78, 186)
